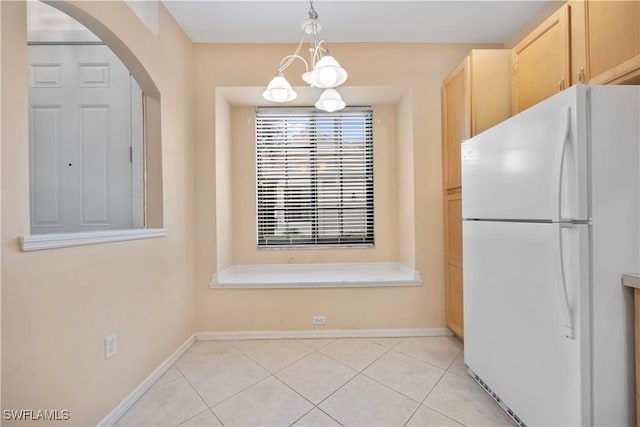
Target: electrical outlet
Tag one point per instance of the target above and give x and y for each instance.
(318, 320)
(110, 345)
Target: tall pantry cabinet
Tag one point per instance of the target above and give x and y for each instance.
(475, 96)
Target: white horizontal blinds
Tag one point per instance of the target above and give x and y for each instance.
(314, 177)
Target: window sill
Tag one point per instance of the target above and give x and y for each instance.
(63, 240)
(278, 276)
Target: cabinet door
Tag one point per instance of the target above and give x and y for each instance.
(541, 62)
(613, 34)
(456, 120)
(578, 23)
(454, 291)
(490, 83)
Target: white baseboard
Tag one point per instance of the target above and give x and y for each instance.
(331, 333)
(145, 385)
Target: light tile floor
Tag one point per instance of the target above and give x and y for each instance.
(318, 382)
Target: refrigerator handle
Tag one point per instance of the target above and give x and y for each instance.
(567, 318)
(559, 166)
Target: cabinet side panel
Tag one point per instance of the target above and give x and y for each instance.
(615, 184)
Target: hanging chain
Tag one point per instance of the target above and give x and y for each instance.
(312, 12)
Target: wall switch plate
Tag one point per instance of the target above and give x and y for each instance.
(318, 320)
(110, 345)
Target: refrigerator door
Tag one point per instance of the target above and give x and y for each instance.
(532, 166)
(517, 279)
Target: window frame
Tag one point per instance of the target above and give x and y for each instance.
(315, 241)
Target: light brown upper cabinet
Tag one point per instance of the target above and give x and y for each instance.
(475, 96)
(541, 62)
(585, 41)
(605, 36)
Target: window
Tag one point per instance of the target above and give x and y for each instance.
(314, 177)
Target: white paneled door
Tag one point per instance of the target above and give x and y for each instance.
(81, 103)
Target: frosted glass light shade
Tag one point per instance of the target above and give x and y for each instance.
(326, 74)
(330, 101)
(279, 90)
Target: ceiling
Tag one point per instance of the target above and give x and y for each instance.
(448, 21)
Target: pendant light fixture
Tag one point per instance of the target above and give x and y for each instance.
(326, 73)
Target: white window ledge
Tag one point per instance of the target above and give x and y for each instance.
(316, 276)
(63, 240)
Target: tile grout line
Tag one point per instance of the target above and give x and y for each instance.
(361, 372)
(284, 367)
(240, 391)
(391, 388)
(199, 395)
(234, 394)
(350, 379)
(273, 374)
(216, 417)
(431, 391)
(432, 364)
(421, 403)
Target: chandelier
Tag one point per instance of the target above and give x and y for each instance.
(325, 71)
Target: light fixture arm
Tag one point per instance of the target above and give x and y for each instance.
(288, 60)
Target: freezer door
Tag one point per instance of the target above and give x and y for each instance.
(532, 166)
(515, 286)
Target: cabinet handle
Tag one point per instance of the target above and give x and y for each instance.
(581, 75)
(561, 85)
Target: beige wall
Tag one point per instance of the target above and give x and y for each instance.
(418, 220)
(224, 190)
(58, 305)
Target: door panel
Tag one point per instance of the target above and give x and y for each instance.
(514, 324)
(95, 165)
(44, 135)
(513, 170)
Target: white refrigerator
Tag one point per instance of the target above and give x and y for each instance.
(551, 222)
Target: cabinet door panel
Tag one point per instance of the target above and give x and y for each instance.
(456, 121)
(541, 62)
(453, 223)
(613, 34)
(454, 229)
(577, 21)
(455, 319)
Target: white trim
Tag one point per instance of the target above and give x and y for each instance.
(126, 404)
(62, 240)
(337, 275)
(332, 333)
